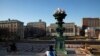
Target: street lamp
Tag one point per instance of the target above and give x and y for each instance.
(59, 15)
(60, 46)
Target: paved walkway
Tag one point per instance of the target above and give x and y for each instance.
(30, 49)
(25, 49)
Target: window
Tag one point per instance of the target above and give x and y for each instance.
(69, 30)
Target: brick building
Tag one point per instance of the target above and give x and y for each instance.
(92, 23)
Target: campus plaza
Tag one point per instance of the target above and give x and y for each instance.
(39, 49)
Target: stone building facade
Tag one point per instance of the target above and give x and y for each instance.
(15, 28)
(69, 29)
(36, 29)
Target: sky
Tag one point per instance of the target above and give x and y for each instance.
(33, 10)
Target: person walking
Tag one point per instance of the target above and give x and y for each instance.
(50, 52)
(13, 47)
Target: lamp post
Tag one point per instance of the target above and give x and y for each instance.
(60, 46)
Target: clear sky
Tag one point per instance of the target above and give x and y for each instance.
(33, 10)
